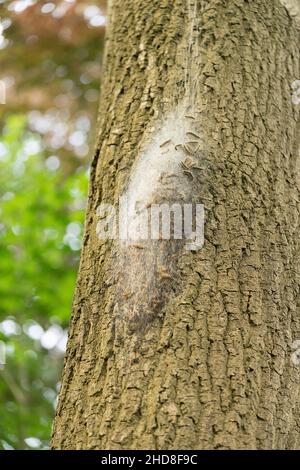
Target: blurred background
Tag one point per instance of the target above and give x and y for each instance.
(50, 70)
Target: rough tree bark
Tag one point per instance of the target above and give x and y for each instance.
(177, 349)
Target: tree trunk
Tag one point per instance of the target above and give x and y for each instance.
(171, 348)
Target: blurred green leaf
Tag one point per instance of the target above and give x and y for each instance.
(41, 219)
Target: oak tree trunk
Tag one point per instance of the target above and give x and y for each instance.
(176, 349)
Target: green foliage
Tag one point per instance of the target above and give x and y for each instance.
(41, 217)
